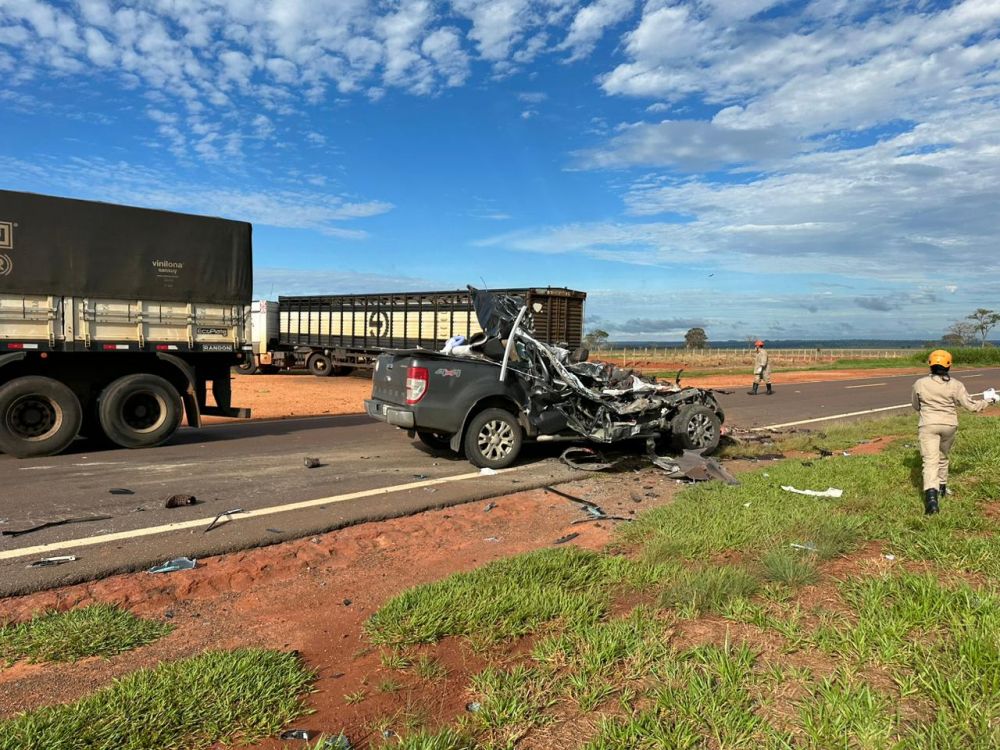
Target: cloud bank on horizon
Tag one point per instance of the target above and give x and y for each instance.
(788, 169)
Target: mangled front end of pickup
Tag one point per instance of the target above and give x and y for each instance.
(597, 401)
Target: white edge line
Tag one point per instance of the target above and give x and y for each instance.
(198, 522)
(837, 416)
(867, 385)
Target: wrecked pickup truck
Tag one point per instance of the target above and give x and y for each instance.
(486, 396)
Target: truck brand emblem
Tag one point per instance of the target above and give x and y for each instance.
(6, 235)
(216, 347)
(378, 324)
(6, 265)
(213, 331)
(448, 373)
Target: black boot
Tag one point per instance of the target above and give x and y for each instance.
(769, 391)
(930, 502)
(942, 490)
(755, 386)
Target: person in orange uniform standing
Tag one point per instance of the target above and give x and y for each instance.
(761, 369)
(937, 397)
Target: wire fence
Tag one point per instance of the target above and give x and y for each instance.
(706, 358)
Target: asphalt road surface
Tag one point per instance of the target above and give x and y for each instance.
(368, 471)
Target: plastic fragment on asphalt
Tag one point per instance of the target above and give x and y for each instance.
(567, 538)
(120, 491)
(172, 566)
(486, 471)
(48, 562)
(829, 492)
(50, 524)
(226, 514)
(311, 463)
(179, 501)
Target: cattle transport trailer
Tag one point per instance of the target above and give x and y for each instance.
(332, 335)
(115, 321)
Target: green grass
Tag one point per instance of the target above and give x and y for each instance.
(506, 598)
(902, 659)
(217, 697)
(96, 630)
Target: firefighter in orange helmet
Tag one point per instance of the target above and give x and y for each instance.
(761, 369)
(937, 397)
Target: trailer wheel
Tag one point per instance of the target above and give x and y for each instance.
(436, 440)
(247, 367)
(38, 417)
(493, 439)
(697, 428)
(140, 411)
(320, 365)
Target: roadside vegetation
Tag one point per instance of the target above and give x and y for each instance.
(214, 698)
(97, 630)
(742, 617)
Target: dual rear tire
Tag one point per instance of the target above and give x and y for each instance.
(40, 416)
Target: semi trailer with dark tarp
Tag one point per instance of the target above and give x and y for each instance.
(115, 322)
(336, 334)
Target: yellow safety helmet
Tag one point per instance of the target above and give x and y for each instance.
(939, 357)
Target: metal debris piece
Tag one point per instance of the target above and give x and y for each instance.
(179, 501)
(489, 507)
(340, 742)
(298, 734)
(226, 514)
(48, 562)
(420, 476)
(172, 566)
(829, 492)
(567, 538)
(694, 466)
(586, 459)
(50, 524)
(311, 463)
(121, 491)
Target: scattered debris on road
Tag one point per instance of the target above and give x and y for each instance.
(121, 491)
(48, 562)
(50, 524)
(489, 507)
(690, 464)
(829, 492)
(593, 510)
(567, 538)
(178, 501)
(311, 463)
(224, 514)
(586, 459)
(172, 566)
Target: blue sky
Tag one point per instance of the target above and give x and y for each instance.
(775, 169)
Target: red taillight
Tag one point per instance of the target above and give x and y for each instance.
(15, 346)
(416, 384)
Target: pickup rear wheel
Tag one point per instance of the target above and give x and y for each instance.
(493, 439)
(320, 365)
(38, 417)
(698, 428)
(140, 411)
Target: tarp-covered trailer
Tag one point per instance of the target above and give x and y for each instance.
(115, 320)
(334, 334)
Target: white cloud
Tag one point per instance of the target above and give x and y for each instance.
(591, 22)
(270, 282)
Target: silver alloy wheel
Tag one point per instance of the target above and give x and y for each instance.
(700, 430)
(34, 417)
(495, 439)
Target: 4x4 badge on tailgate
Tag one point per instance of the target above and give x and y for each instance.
(448, 373)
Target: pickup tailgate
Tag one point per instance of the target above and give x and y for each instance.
(389, 379)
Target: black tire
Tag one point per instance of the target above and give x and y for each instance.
(247, 367)
(320, 365)
(696, 428)
(493, 439)
(38, 417)
(140, 411)
(436, 440)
